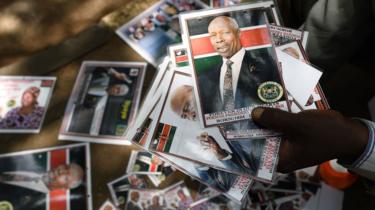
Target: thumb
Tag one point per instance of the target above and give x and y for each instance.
(274, 119)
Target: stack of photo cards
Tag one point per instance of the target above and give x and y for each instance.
(196, 115)
(289, 191)
(50, 178)
(104, 102)
(24, 102)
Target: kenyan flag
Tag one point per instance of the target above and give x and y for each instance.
(164, 137)
(40, 162)
(142, 132)
(181, 57)
(205, 56)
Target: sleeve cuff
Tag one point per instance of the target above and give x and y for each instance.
(367, 159)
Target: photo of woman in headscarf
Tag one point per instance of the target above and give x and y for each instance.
(27, 116)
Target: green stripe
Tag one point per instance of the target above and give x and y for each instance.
(182, 64)
(170, 139)
(158, 134)
(206, 63)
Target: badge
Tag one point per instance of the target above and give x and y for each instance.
(270, 92)
(5, 205)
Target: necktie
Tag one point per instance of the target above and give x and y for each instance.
(228, 97)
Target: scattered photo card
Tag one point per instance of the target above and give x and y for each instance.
(234, 63)
(120, 187)
(108, 205)
(148, 99)
(300, 78)
(24, 103)
(177, 196)
(147, 122)
(143, 162)
(145, 200)
(282, 35)
(50, 178)
(104, 102)
(317, 100)
(158, 179)
(151, 32)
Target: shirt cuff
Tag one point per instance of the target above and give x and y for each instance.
(366, 160)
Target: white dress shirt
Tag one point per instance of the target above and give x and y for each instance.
(365, 164)
(37, 184)
(236, 69)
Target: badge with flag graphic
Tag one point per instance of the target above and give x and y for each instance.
(231, 54)
(179, 56)
(164, 138)
(55, 178)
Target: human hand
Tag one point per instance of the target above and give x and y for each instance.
(204, 140)
(313, 136)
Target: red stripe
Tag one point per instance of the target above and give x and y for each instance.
(163, 137)
(143, 138)
(58, 198)
(319, 104)
(249, 38)
(153, 167)
(181, 58)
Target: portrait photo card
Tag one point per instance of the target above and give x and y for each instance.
(119, 188)
(104, 102)
(151, 32)
(143, 162)
(24, 102)
(317, 99)
(49, 178)
(234, 63)
(177, 196)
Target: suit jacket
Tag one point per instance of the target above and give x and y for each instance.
(22, 198)
(247, 153)
(257, 67)
(222, 180)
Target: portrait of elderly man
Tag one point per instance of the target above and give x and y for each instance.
(107, 89)
(106, 82)
(183, 102)
(233, 82)
(63, 177)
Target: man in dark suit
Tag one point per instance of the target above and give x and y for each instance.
(233, 83)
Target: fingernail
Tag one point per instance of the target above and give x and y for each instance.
(257, 113)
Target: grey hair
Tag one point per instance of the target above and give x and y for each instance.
(80, 175)
(231, 21)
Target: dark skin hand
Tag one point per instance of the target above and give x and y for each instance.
(313, 136)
